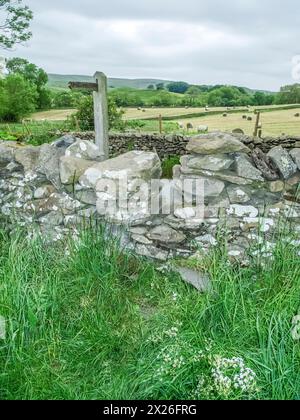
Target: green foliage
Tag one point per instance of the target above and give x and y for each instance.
(178, 87)
(65, 99)
(14, 23)
(85, 114)
(87, 321)
(160, 86)
(289, 94)
(17, 98)
(6, 136)
(134, 124)
(168, 165)
(34, 75)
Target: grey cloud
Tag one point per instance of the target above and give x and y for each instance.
(244, 42)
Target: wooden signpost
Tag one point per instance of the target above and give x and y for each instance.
(99, 89)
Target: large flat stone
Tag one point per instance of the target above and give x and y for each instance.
(212, 163)
(216, 143)
(131, 165)
(283, 161)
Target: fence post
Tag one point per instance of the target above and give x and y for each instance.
(160, 124)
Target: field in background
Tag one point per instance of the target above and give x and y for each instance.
(53, 115)
(274, 123)
(179, 112)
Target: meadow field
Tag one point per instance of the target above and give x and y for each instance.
(87, 321)
(276, 120)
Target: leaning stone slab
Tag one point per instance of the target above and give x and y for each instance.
(245, 169)
(283, 161)
(295, 153)
(48, 163)
(216, 143)
(71, 169)
(200, 281)
(131, 165)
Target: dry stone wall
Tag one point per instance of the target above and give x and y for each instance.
(175, 144)
(56, 188)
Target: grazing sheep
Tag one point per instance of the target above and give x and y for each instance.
(244, 117)
(202, 128)
(180, 125)
(189, 126)
(206, 108)
(297, 115)
(225, 115)
(249, 118)
(139, 109)
(144, 110)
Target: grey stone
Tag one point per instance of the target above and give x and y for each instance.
(237, 195)
(28, 157)
(54, 218)
(141, 239)
(246, 169)
(211, 163)
(71, 169)
(212, 188)
(87, 196)
(207, 240)
(295, 153)
(44, 191)
(6, 153)
(221, 176)
(216, 143)
(201, 281)
(152, 252)
(265, 165)
(48, 163)
(83, 149)
(283, 161)
(166, 235)
(131, 165)
(64, 141)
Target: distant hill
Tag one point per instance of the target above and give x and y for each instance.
(60, 81)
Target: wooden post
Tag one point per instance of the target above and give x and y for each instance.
(257, 124)
(160, 124)
(101, 115)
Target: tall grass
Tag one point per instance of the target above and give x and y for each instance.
(86, 320)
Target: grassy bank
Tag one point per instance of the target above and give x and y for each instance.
(86, 321)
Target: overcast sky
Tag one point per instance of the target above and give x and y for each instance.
(242, 42)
